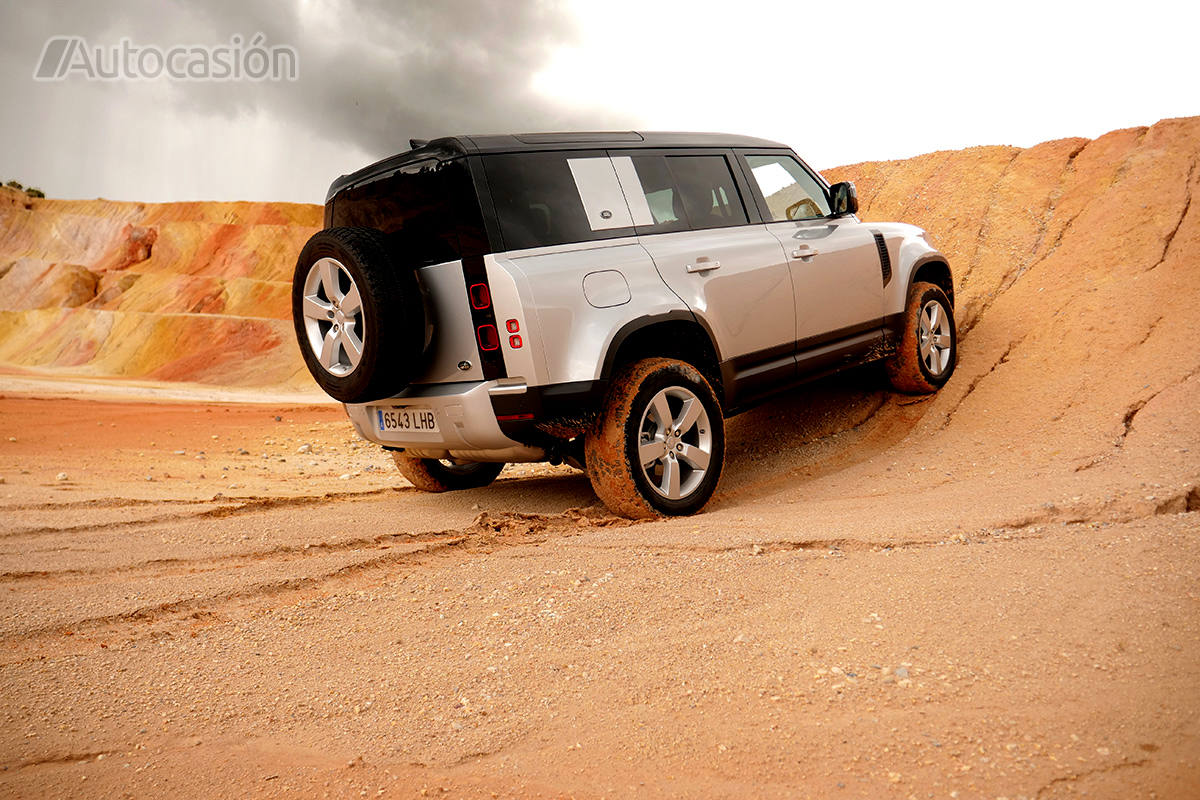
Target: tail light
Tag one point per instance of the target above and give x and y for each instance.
(481, 298)
(489, 337)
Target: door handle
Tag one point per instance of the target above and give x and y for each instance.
(805, 252)
(703, 265)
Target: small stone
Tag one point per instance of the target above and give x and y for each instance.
(304, 448)
(12, 438)
(456, 726)
(181, 452)
(345, 476)
(901, 672)
(278, 418)
(756, 550)
(60, 477)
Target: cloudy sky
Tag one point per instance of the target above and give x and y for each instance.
(840, 82)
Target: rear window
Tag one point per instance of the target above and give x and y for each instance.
(555, 198)
(427, 210)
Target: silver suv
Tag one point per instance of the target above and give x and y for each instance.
(602, 299)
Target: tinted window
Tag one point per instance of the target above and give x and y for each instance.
(555, 198)
(790, 192)
(661, 209)
(427, 209)
(709, 195)
(681, 192)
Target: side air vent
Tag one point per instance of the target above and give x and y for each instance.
(885, 261)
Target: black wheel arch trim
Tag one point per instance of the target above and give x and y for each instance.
(633, 326)
(931, 258)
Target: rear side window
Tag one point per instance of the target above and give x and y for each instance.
(556, 198)
(791, 193)
(680, 192)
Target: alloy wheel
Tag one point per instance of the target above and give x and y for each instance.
(675, 442)
(934, 337)
(333, 316)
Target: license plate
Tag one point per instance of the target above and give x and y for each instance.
(406, 419)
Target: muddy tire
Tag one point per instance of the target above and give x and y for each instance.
(928, 348)
(359, 317)
(659, 444)
(432, 475)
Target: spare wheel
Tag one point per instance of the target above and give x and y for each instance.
(359, 315)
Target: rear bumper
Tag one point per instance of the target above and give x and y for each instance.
(463, 410)
(492, 420)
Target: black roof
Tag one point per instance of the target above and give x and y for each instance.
(520, 142)
(454, 146)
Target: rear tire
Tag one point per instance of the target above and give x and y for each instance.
(928, 348)
(659, 444)
(432, 475)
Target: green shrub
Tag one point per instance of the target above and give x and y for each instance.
(14, 185)
(32, 192)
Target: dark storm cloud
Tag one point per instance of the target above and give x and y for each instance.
(377, 73)
(372, 74)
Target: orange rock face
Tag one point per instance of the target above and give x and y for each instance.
(196, 292)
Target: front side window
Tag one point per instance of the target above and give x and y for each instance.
(790, 191)
(675, 193)
(555, 198)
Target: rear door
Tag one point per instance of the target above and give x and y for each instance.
(834, 263)
(691, 216)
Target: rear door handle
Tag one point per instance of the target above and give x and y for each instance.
(805, 252)
(703, 265)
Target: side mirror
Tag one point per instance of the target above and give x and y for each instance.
(844, 198)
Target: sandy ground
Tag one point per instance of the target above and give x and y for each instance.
(873, 606)
(989, 593)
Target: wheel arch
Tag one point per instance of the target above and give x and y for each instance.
(934, 269)
(675, 334)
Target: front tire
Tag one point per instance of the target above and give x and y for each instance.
(928, 348)
(658, 447)
(432, 475)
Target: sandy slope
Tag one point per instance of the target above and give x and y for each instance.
(988, 593)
